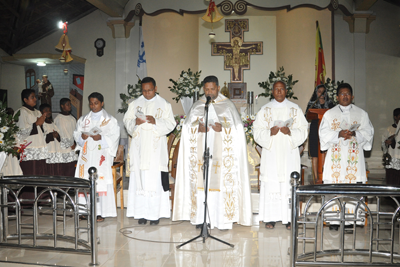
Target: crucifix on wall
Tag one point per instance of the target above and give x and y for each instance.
(237, 53)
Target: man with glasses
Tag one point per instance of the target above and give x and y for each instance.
(148, 120)
(345, 131)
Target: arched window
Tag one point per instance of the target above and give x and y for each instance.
(30, 78)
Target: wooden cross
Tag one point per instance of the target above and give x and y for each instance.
(216, 167)
(236, 52)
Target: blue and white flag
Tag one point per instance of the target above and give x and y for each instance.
(141, 70)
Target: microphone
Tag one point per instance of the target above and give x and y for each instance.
(208, 100)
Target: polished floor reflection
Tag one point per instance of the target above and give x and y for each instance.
(123, 242)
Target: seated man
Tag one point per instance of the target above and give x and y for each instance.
(345, 131)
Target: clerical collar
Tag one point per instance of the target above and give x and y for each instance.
(29, 107)
(278, 104)
(345, 108)
(150, 99)
(96, 116)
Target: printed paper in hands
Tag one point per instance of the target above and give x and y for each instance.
(94, 131)
(354, 127)
(344, 125)
(288, 123)
(141, 115)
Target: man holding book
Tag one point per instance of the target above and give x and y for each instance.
(148, 120)
(229, 195)
(280, 128)
(345, 131)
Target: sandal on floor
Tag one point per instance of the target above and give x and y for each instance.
(100, 219)
(83, 217)
(288, 226)
(270, 225)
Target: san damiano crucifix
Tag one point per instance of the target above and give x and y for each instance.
(236, 52)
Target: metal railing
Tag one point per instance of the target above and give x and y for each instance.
(26, 203)
(375, 243)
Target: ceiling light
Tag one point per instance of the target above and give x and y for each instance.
(41, 64)
(211, 35)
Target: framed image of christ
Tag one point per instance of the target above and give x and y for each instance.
(237, 90)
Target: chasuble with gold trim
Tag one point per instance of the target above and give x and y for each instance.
(229, 198)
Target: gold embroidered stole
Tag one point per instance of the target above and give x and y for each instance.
(215, 163)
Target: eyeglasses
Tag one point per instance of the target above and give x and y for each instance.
(345, 94)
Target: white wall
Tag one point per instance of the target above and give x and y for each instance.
(383, 69)
(344, 51)
(261, 28)
(171, 43)
(12, 78)
(380, 94)
(296, 31)
(99, 71)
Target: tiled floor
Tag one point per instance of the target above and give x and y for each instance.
(121, 245)
(125, 243)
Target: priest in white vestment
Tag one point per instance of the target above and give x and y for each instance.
(229, 198)
(390, 139)
(148, 120)
(97, 137)
(345, 131)
(280, 128)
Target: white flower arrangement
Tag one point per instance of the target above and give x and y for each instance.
(278, 76)
(8, 130)
(248, 126)
(187, 83)
(134, 91)
(331, 88)
(179, 119)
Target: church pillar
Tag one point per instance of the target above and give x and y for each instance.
(120, 28)
(359, 26)
(123, 63)
(360, 85)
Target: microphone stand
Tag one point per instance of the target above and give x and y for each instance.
(204, 228)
